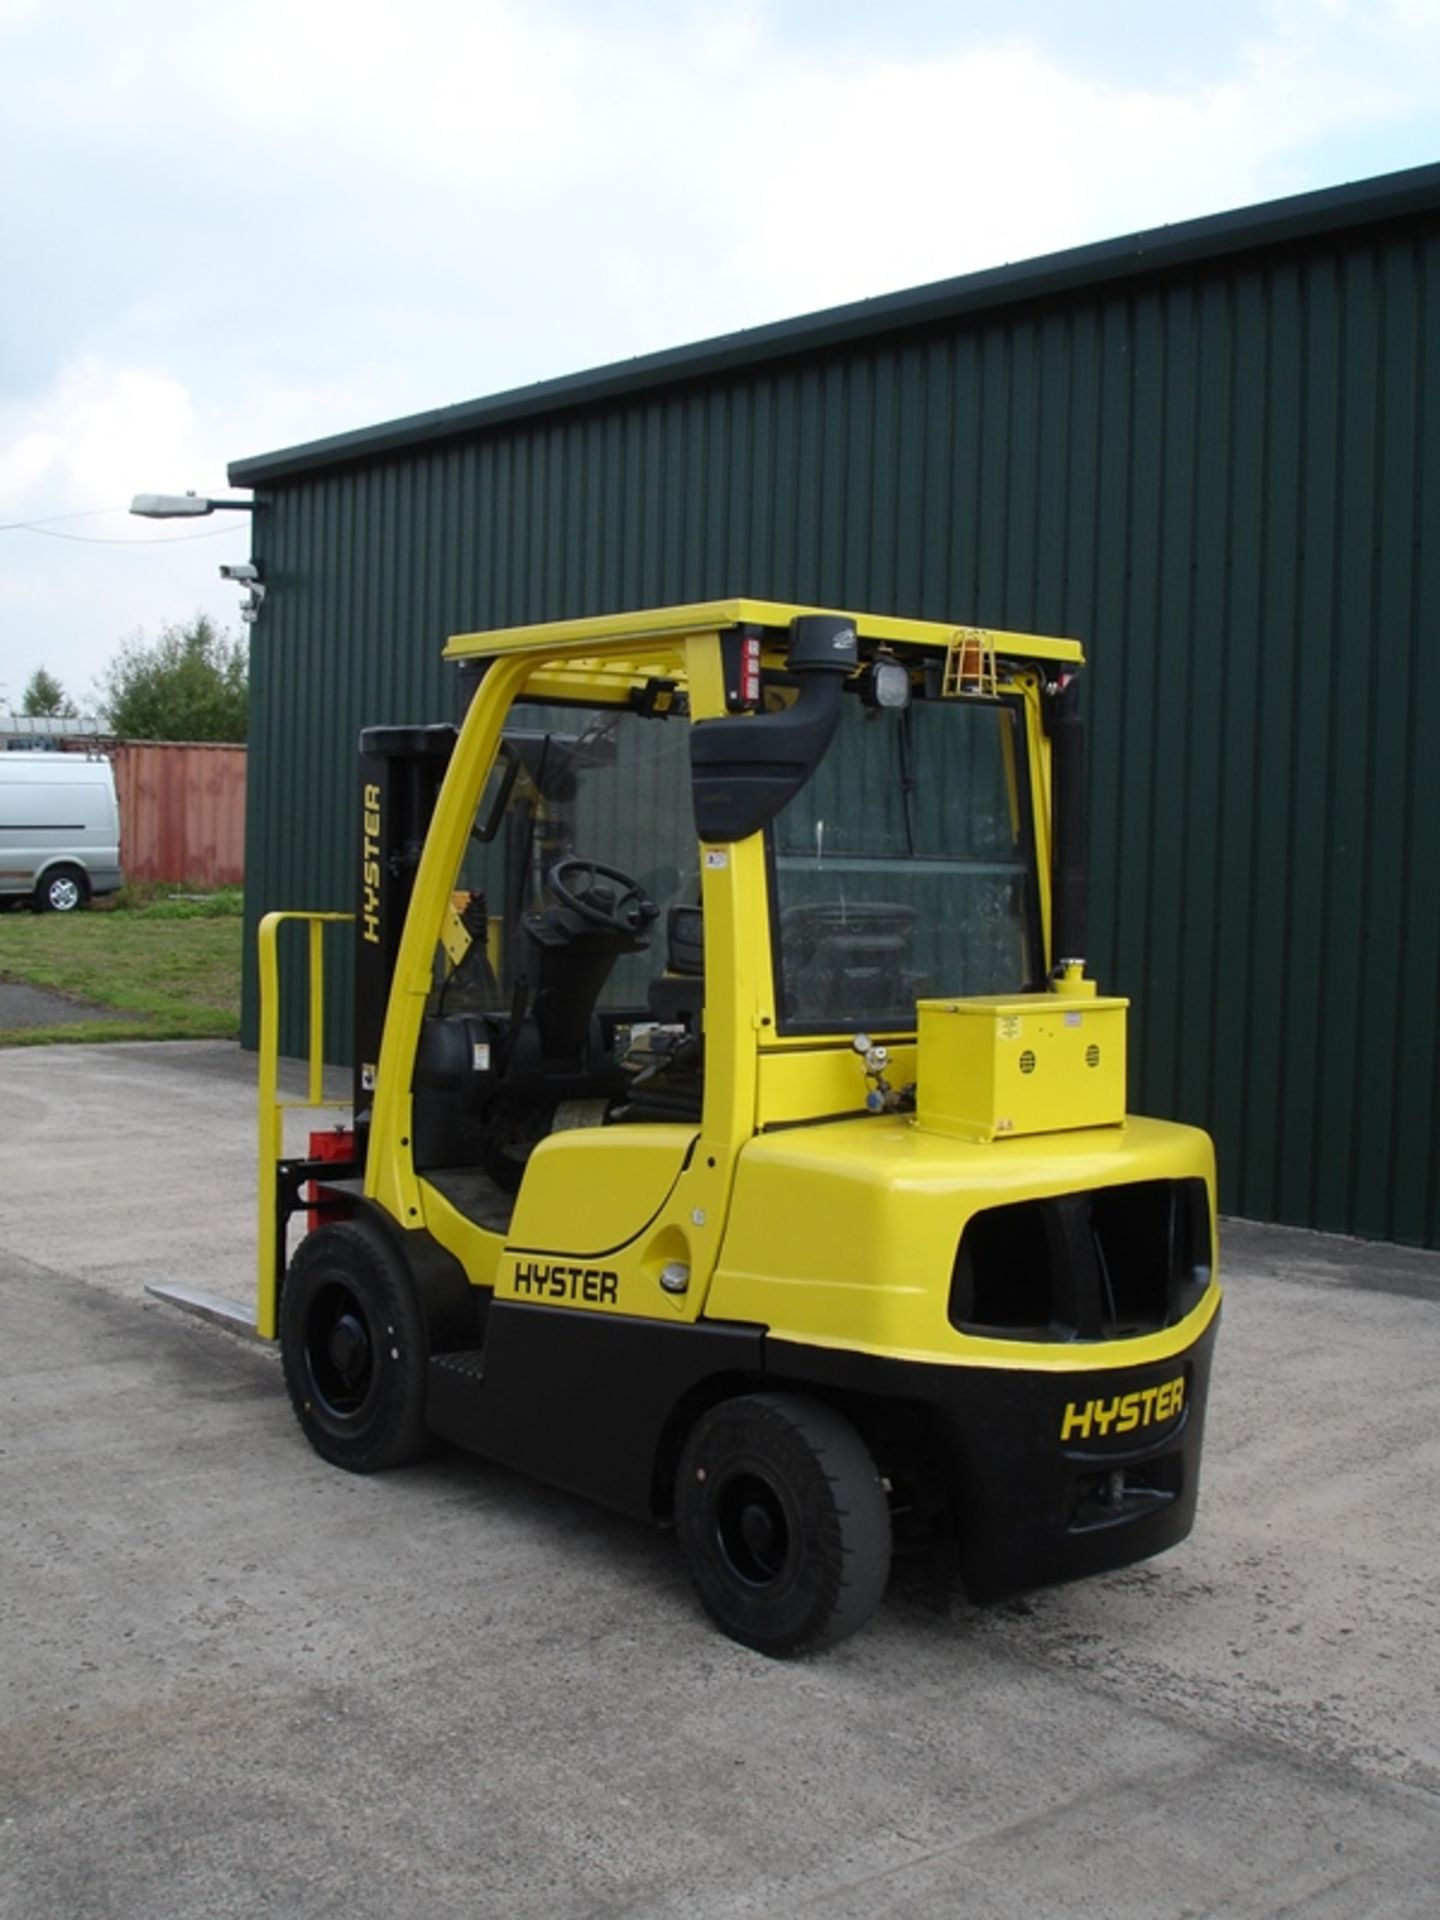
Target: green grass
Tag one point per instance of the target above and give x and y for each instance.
(171, 964)
(158, 901)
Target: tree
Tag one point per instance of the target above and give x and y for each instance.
(190, 684)
(46, 699)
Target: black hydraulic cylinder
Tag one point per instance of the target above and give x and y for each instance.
(1070, 825)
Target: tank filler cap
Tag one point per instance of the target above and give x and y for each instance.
(1068, 980)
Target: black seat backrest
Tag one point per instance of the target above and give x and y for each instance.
(685, 941)
(678, 997)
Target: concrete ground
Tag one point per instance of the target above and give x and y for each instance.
(234, 1681)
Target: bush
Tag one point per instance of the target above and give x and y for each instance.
(190, 684)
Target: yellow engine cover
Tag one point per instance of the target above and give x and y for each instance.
(992, 1066)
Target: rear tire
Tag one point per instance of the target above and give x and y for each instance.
(354, 1351)
(783, 1521)
(62, 890)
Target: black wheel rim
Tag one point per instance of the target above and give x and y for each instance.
(339, 1352)
(754, 1531)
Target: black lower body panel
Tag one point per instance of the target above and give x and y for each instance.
(587, 1401)
(1051, 1476)
(1048, 1475)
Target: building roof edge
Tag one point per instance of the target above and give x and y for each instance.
(1387, 197)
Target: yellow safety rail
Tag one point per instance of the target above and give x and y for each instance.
(272, 1108)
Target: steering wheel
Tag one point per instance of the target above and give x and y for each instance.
(584, 887)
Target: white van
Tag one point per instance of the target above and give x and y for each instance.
(59, 829)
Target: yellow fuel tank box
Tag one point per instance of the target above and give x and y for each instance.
(991, 1066)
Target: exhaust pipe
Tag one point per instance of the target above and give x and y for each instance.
(1069, 892)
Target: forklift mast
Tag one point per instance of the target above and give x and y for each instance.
(400, 772)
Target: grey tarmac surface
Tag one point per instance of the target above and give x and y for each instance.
(22, 1006)
(234, 1681)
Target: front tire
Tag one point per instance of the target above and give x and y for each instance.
(354, 1351)
(783, 1521)
(62, 890)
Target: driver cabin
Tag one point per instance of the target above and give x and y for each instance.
(670, 867)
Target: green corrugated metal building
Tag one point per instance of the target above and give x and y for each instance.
(1211, 452)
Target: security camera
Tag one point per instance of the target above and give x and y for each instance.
(240, 570)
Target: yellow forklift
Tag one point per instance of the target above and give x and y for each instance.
(737, 1139)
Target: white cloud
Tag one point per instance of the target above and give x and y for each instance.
(82, 440)
(70, 592)
(240, 231)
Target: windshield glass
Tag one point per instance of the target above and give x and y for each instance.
(581, 789)
(905, 867)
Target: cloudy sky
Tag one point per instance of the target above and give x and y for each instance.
(230, 229)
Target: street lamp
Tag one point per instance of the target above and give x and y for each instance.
(183, 506)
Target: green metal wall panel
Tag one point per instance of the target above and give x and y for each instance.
(1224, 478)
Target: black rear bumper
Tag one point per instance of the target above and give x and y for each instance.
(1051, 1476)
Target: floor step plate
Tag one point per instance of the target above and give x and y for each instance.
(468, 1365)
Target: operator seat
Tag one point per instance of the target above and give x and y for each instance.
(678, 996)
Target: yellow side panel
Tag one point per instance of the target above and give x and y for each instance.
(589, 1191)
(1026, 1063)
(845, 1235)
(477, 1250)
(621, 1219)
(591, 1226)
